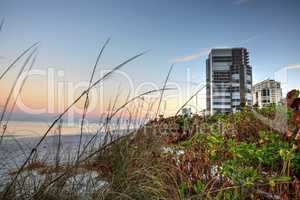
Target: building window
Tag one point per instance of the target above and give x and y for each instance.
(265, 92)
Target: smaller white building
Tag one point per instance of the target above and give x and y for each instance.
(187, 112)
(266, 92)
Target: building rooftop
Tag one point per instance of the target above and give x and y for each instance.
(264, 81)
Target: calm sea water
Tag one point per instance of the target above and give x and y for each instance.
(23, 129)
(21, 137)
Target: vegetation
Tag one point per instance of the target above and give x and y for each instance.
(252, 154)
(234, 156)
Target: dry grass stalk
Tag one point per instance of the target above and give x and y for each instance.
(86, 103)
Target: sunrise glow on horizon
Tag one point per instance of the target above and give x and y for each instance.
(69, 47)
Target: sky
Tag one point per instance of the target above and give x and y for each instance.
(71, 33)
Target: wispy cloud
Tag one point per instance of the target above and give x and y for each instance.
(240, 2)
(1, 24)
(194, 56)
(293, 66)
(249, 39)
(205, 51)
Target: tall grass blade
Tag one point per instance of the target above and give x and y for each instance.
(57, 157)
(34, 149)
(86, 104)
(196, 93)
(15, 100)
(17, 59)
(109, 118)
(162, 92)
(14, 86)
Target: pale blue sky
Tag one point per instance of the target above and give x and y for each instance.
(71, 33)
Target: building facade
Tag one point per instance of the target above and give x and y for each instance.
(187, 112)
(229, 80)
(266, 92)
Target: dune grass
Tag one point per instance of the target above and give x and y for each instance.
(225, 156)
(195, 158)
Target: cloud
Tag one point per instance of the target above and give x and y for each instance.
(1, 24)
(240, 2)
(194, 56)
(248, 40)
(202, 53)
(294, 66)
(205, 51)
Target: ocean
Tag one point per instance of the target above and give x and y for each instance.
(22, 136)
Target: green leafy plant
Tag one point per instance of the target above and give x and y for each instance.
(183, 190)
(239, 175)
(199, 186)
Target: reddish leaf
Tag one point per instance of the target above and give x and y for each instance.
(291, 96)
(297, 135)
(284, 195)
(288, 134)
(296, 118)
(296, 104)
(296, 184)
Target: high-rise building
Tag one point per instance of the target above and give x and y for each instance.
(266, 92)
(229, 80)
